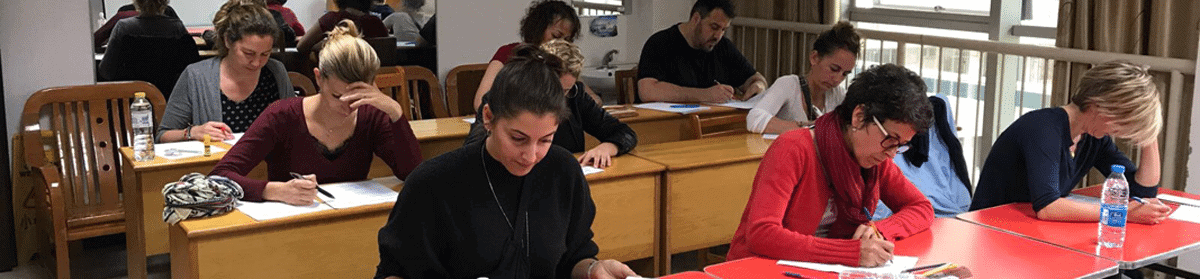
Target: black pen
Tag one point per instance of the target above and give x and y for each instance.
(922, 267)
(323, 192)
(794, 275)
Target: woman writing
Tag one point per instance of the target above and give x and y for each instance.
(793, 102)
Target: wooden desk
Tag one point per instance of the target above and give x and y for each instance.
(342, 243)
(147, 234)
(706, 186)
(654, 126)
(336, 243)
(988, 253)
(1144, 244)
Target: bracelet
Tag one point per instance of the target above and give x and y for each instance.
(187, 133)
(589, 270)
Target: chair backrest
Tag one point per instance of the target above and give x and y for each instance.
(393, 84)
(158, 60)
(385, 48)
(80, 129)
(461, 84)
(712, 126)
(302, 85)
(424, 84)
(626, 85)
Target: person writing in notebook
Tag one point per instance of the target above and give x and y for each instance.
(792, 102)
(511, 206)
(615, 137)
(331, 135)
(693, 61)
(816, 187)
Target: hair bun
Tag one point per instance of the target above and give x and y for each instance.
(344, 28)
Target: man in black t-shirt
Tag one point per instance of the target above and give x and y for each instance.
(693, 62)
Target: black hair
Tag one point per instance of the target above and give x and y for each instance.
(414, 4)
(541, 15)
(280, 2)
(360, 5)
(841, 36)
(704, 7)
(888, 91)
(529, 82)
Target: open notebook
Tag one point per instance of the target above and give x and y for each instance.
(348, 194)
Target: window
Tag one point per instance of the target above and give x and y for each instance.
(600, 7)
(979, 7)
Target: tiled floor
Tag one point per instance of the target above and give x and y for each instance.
(97, 258)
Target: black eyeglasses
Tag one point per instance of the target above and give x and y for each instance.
(890, 141)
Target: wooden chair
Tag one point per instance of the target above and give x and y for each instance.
(424, 84)
(393, 84)
(704, 127)
(74, 159)
(626, 86)
(302, 85)
(461, 84)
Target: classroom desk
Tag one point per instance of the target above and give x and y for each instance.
(655, 126)
(146, 234)
(1144, 244)
(342, 243)
(988, 253)
(705, 189)
(688, 275)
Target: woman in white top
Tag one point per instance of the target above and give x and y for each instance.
(406, 24)
(783, 107)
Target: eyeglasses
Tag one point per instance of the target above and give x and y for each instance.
(890, 141)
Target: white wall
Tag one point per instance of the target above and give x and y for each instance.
(470, 31)
(307, 11)
(1191, 261)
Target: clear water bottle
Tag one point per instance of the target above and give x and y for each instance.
(1113, 209)
(141, 118)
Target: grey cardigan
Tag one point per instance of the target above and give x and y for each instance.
(196, 98)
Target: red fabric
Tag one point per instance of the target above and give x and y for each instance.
(368, 25)
(504, 53)
(289, 17)
(855, 197)
(280, 137)
(790, 194)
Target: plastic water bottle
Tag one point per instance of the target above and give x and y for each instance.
(1113, 209)
(141, 118)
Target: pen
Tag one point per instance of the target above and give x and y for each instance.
(939, 269)
(685, 106)
(323, 192)
(873, 228)
(922, 268)
(794, 275)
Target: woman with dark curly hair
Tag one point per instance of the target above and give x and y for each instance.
(816, 188)
(544, 21)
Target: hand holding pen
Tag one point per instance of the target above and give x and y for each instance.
(1149, 212)
(312, 178)
(218, 131)
(720, 93)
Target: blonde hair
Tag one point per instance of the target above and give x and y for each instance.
(1126, 92)
(346, 56)
(239, 18)
(569, 53)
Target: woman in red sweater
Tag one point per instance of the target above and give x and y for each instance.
(815, 188)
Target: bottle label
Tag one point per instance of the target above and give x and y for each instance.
(141, 119)
(1113, 215)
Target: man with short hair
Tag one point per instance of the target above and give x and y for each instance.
(693, 62)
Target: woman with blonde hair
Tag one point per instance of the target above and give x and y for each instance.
(224, 94)
(1045, 153)
(331, 136)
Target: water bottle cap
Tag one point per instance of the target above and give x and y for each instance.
(1118, 168)
(139, 95)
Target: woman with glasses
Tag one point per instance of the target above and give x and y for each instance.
(816, 188)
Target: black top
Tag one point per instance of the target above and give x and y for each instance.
(1031, 162)
(239, 116)
(668, 57)
(447, 224)
(586, 115)
(169, 12)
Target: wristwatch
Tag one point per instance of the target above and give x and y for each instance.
(187, 133)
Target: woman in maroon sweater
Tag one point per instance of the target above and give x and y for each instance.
(329, 136)
(815, 188)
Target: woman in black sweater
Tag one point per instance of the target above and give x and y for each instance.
(615, 137)
(512, 205)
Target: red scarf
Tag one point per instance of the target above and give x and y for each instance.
(853, 198)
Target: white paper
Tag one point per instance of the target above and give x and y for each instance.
(263, 211)
(663, 106)
(748, 104)
(898, 265)
(469, 120)
(1179, 200)
(770, 136)
(352, 194)
(1186, 214)
(183, 149)
(589, 170)
(236, 137)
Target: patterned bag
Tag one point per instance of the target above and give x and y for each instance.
(195, 195)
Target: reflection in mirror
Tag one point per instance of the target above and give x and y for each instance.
(602, 7)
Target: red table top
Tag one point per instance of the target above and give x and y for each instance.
(688, 275)
(988, 253)
(1144, 244)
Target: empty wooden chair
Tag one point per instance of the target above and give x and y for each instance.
(74, 159)
(393, 84)
(461, 84)
(302, 85)
(712, 126)
(424, 84)
(626, 86)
